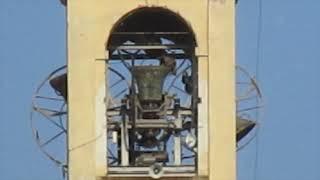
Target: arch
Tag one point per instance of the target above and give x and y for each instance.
(146, 45)
(150, 23)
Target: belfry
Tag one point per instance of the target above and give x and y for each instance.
(149, 90)
(150, 129)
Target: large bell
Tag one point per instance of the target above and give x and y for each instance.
(244, 127)
(59, 84)
(150, 80)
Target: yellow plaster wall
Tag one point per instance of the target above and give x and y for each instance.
(89, 24)
(222, 156)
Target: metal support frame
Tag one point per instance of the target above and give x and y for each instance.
(182, 171)
(124, 144)
(144, 47)
(138, 123)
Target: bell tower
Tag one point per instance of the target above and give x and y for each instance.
(156, 35)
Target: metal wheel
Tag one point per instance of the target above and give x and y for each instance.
(48, 120)
(248, 106)
(49, 115)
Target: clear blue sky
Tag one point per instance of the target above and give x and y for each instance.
(32, 43)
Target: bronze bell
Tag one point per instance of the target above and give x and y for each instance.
(243, 127)
(59, 84)
(150, 80)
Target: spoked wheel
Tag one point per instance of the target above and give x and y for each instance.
(249, 104)
(49, 114)
(48, 120)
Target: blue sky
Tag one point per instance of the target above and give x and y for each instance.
(32, 43)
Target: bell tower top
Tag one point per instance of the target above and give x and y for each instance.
(204, 30)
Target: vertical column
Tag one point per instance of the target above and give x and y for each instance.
(101, 93)
(86, 91)
(203, 112)
(222, 152)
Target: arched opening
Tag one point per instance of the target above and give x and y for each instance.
(153, 94)
(147, 25)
